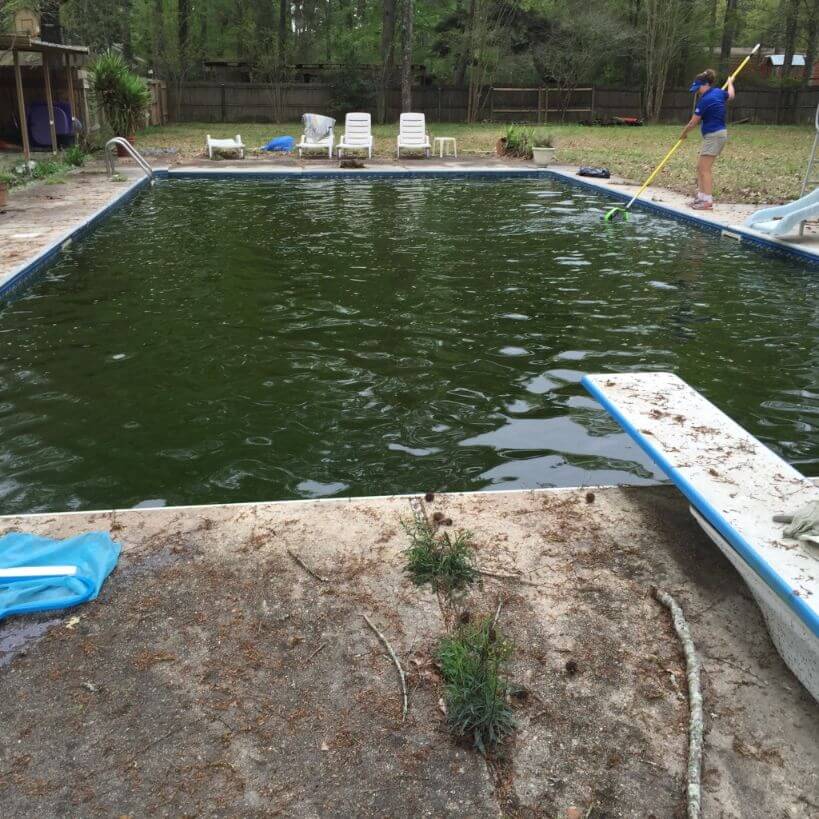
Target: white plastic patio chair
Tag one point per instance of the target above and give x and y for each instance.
(357, 135)
(221, 145)
(307, 143)
(412, 134)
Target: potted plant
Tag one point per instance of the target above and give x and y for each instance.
(543, 149)
(516, 143)
(123, 98)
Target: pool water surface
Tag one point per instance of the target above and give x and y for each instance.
(263, 340)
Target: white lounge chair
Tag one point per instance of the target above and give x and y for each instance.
(357, 135)
(735, 486)
(225, 145)
(412, 134)
(315, 124)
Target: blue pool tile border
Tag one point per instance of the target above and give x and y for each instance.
(387, 173)
(745, 236)
(23, 274)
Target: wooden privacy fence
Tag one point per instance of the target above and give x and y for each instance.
(257, 102)
(540, 104)
(254, 102)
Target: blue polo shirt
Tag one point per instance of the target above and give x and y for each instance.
(711, 107)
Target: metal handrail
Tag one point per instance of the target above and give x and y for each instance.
(131, 151)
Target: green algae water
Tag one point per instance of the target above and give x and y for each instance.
(250, 340)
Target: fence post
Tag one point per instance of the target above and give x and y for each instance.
(222, 103)
(592, 103)
(491, 105)
(439, 103)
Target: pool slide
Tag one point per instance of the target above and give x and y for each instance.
(735, 486)
(782, 219)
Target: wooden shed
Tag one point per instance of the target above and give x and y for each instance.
(34, 72)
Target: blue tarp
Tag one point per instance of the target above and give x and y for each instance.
(93, 554)
(283, 143)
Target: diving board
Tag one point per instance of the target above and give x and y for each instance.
(735, 485)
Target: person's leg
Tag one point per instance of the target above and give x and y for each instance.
(706, 175)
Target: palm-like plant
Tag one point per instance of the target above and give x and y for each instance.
(121, 96)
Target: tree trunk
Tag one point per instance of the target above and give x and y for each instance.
(811, 30)
(282, 52)
(406, 58)
(712, 29)
(462, 60)
(183, 20)
(387, 53)
(729, 27)
(791, 22)
(127, 51)
(629, 72)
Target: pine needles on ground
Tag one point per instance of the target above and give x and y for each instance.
(443, 561)
(472, 666)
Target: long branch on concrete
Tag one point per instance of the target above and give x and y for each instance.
(401, 676)
(695, 724)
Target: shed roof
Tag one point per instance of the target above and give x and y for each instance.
(22, 42)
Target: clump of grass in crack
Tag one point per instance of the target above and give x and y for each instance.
(443, 561)
(473, 662)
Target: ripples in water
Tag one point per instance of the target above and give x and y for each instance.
(238, 341)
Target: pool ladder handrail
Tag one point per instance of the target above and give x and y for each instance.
(131, 151)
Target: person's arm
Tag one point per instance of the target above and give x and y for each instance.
(695, 120)
(730, 89)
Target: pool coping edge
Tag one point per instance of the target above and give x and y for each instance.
(20, 275)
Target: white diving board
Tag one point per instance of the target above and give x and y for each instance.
(735, 485)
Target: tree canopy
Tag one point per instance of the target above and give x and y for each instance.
(471, 43)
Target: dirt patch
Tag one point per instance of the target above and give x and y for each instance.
(215, 675)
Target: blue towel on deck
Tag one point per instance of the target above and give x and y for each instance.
(94, 554)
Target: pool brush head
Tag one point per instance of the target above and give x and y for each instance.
(616, 215)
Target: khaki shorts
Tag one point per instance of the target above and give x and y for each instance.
(713, 143)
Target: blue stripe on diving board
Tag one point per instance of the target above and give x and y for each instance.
(743, 548)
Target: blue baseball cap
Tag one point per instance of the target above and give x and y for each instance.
(695, 85)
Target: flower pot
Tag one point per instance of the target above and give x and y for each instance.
(543, 156)
(121, 151)
(4, 194)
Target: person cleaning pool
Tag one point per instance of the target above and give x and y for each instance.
(710, 113)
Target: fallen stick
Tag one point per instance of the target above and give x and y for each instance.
(323, 645)
(497, 613)
(307, 568)
(394, 657)
(515, 577)
(695, 726)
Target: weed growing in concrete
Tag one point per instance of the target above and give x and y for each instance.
(473, 663)
(444, 562)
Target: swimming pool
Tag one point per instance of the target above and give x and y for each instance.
(219, 341)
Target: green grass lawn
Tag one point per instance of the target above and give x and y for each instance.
(762, 163)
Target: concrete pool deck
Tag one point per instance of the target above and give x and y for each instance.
(40, 217)
(216, 675)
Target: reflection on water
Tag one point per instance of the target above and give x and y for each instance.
(303, 338)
